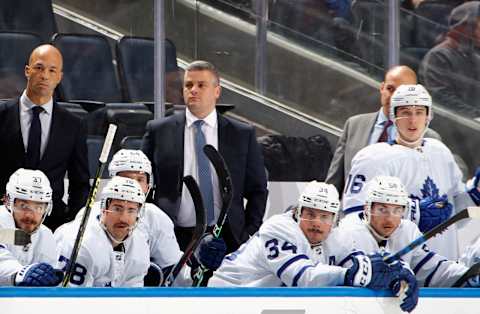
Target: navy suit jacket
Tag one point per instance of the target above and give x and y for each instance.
(163, 144)
(66, 150)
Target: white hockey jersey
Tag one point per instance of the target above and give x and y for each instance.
(427, 171)
(431, 269)
(42, 249)
(472, 254)
(97, 264)
(157, 227)
(279, 254)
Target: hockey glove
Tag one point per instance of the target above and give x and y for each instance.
(210, 252)
(154, 276)
(404, 286)
(473, 186)
(434, 211)
(368, 271)
(38, 275)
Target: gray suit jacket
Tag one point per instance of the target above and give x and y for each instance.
(355, 136)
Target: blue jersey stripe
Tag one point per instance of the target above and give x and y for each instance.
(423, 261)
(300, 273)
(353, 209)
(429, 278)
(290, 262)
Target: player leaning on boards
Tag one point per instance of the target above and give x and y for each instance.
(156, 226)
(426, 167)
(381, 228)
(113, 252)
(28, 202)
(297, 248)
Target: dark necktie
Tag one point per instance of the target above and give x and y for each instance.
(384, 136)
(204, 173)
(34, 140)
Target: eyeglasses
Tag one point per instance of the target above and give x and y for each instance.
(118, 210)
(25, 207)
(312, 216)
(383, 211)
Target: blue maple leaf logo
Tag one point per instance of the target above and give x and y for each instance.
(429, 189)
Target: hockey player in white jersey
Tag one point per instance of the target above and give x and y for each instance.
(298, 248)
(28, 201)
(113, 252)
(156, 226)
(426, 167)
(381, 228)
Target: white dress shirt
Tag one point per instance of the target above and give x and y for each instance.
(378, 129)
(186, 214)
(26, 116)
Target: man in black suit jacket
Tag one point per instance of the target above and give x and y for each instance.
(169, 144)
(61, 145)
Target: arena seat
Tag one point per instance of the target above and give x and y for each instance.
(88, 70)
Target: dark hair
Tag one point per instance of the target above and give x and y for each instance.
(200, 65)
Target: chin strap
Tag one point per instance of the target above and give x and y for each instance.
(411, 144)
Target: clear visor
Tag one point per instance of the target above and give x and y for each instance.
(30, 206)
(383, 211)
(120, 209)
(315, 215)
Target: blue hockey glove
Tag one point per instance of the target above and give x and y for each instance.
(38, 275)
(473, 282)
(368, 271)
(434, 211)
(474, 187)
(404, 285)
(210, 252)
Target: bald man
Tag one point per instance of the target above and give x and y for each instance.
(36, 133)
(369, 128)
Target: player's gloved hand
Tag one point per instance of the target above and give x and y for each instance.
(154, 276)
(404, 285)
(434, 211)
(38, 275)
(368, 271)
(473, 187)
(210, 252)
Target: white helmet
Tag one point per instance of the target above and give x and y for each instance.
(121, 188)
(411, 95)
(30, 185)
(319, 195)
(131, 160)
(386, 190)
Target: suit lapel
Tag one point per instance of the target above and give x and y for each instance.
(15, 131)
(179, 141)
(369, 124)
(223, 137)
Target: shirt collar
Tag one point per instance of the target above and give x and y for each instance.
(381, 118)
(26, 104)
(210, 120)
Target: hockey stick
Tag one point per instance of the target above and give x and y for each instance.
(102, 160)
(469, 212)
(226, 194)
(200, 228)
(474, 270)
(14, 237)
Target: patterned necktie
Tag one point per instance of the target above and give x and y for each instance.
(204, 173)
(34, 140)
(384, 136)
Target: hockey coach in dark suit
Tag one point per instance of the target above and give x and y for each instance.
(36, 133)
(174, 144)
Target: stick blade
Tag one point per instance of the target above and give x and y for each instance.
(474, 212)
